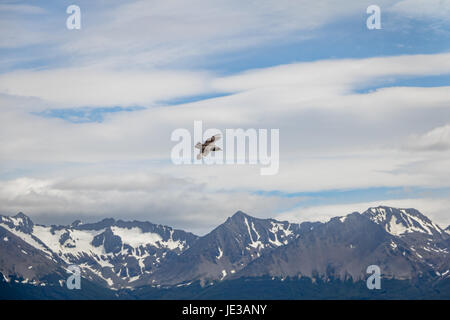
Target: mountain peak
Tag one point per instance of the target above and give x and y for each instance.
(21, 215)
(242, 218)
(400, 221)
(20, 222)
(76, 223)
(239, 216)
(108, 221)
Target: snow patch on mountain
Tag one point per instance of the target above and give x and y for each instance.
(276, 228)
(393, 245)
(220, 255)
(395, 227)
(86, 266)
(254, 244)
(28, 238)
(108, 248)
(80, 244)
(402, 221)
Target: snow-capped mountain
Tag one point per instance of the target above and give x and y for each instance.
(226, 250)
(26, 259)
(120, 255)
(425, 240)
(115, 252)
(399, 222)
(402, 242)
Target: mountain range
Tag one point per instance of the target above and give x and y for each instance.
(133, 259)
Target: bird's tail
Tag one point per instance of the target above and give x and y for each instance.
(199, 156)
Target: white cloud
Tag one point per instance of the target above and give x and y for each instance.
(344, 74)
(294, 85)
(23, 25)
(141, 34)
(146, 196)
(431, 9)
(20, 8)
(437, 139)
(76, 87)
(331, 138)
(435, 209)
(161, 32)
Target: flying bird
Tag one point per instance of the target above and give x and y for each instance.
(208, 146)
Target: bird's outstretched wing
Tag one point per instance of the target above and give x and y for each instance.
(211, 147)
(198, 145)
(215, 148)
(212, 139)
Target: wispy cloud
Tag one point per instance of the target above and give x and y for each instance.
(60, 155)
(435, 208)
(431, 10)
(437, 139)
(147, 196)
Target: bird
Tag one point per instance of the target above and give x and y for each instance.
(208, 146)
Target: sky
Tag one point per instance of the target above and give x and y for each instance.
(87, 114)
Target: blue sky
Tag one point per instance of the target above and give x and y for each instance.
(87, 113)
(84, 114)
(341, 39)
(330, 197)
